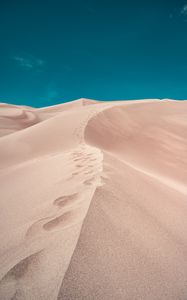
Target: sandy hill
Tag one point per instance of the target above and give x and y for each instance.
(93, 201)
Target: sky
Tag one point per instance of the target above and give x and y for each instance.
(57, 51)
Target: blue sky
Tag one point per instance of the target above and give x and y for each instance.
(57, 51)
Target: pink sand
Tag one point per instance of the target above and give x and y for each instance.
(93, 201)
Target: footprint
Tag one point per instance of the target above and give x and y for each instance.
(89, 181)
(61, 202)
(21, 268)
(77, 159)
(66, 200)
(79, 166)
(35, 227)
(75, 173)
(64, 220)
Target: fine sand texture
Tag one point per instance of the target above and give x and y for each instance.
(93, 201)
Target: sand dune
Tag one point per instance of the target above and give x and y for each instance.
(93, 201)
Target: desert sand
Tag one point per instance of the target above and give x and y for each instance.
(93, 201)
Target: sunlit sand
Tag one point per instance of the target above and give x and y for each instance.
(93, 201)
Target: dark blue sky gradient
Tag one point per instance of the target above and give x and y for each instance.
(57, 51)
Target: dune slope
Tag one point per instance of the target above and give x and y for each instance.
(93, 200)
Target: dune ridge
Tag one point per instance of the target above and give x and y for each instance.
(93, 200)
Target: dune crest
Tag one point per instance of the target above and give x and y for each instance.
(93, 200)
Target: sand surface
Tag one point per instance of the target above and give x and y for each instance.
(93, 201)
